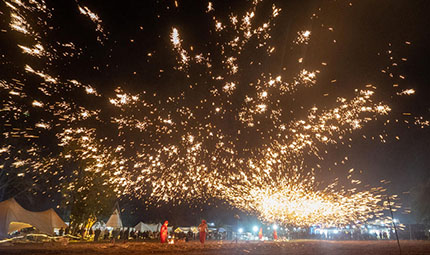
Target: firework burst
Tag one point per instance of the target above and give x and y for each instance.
(231, 132)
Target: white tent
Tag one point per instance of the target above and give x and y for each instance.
(13, 217)
(114, 220)
(142, 227)
(150, 227)
(187, 229)
(99, 225)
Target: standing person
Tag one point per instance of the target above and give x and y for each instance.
(126, 234)
(82, 232)
(164, 232)
(115, 234)
(103, 234)
(260, 234)
(275, 235)
(121, 234)
(203, 229)
(97, 233)
(106, 235)
(67, 230)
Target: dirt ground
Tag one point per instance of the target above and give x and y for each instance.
(297, 247)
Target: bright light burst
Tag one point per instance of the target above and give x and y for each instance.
(223, 136)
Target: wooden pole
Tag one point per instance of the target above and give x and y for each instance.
(394, 225)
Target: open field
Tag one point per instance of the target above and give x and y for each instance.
(301, 247)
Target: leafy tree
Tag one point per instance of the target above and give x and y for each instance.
(89, 197)
(421, 202)
(87, 188)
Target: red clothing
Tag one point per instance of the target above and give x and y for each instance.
(275, 235)
(203, 228)
(163, 234)
(202, 236)
(260, 234)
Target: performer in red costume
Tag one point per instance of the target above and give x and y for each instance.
(164, 232)
(275, 235)
(203, 229)
(260, 234)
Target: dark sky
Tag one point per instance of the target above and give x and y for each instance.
(365, 33)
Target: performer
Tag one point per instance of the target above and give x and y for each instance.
(203, 229)
(164, 232)
(275, 235)
(260, 234)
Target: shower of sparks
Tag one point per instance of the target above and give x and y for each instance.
(197, 144)
(183, 54)
(96, 20)
(303, 37)
(297, 201)
(37, 50)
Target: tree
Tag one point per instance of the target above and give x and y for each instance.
(88, 190)
(88, 197)
(421, 202)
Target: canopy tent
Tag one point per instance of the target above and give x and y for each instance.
(143, 227)
(150, 227)
(114, 220)
(181, 230)
(157, 227)
(99, 225)
(187, 229)
(14, 226)
(14, 217)
(195, 230)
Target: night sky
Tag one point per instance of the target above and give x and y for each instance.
(354, 39)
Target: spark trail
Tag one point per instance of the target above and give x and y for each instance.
(230, 133)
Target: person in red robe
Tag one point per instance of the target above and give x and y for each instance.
(203, 229)
(164, 232)
(275, 235)
(260, 234)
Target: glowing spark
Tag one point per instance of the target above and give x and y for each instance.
(37, 104)
(210, 7)
(37, 50)
(407, 92)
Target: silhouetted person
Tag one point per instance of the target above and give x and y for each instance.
(82, 232)
(126, 234)
(121, 234)
(97, 234)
